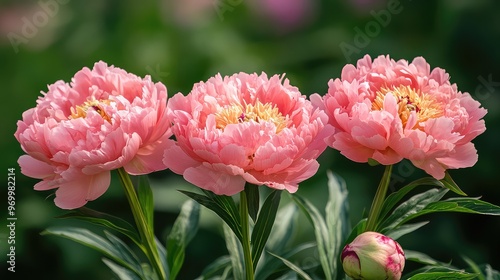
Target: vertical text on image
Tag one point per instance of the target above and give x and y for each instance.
(11, 219)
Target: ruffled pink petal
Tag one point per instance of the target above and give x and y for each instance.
(76, 193)
(149, 158)
(34, 168)
(176, 159)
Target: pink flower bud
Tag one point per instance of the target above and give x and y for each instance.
(372, 255)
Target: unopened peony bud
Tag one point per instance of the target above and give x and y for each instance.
(373, 256)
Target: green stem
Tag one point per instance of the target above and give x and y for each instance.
(378, 200)
(145, 231)
(247, 253)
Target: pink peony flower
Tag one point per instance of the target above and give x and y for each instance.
(245, 128)
(387, 110)
(372, 255)
(105, 119)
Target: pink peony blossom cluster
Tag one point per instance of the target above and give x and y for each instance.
(389, 110)
(244, 128)
(104, 119)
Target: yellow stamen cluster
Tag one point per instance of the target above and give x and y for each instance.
(257, 112)
(409, 100)
(80, 111)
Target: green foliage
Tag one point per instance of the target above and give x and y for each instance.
(111, 246)
(183, 231)
(264, 224)
(330, 234)
(221, 205)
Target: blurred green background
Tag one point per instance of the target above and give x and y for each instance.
(181, 42)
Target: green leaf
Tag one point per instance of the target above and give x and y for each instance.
(127, 254)
(399, 231)
(223, 206)
(293, 267)
(120, 271)
(162, 253)
(145, 196)
(452, 275)
(451, 185)
(271, 264)
(283, 229)
(474, 267)
(460, 204)
(490, 273)
(408, 208)
(252, 192)
(395, 197)
(105, 220)
(264, 224)
(235, 252)
(320, 232)
(421, 258)
(216, 267)
(357, 230)
(98, 243)
(337, 218)
(183, 230)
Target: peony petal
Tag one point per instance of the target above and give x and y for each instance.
(176, 159)
(34, 168)
(217, 181)
(76, 193)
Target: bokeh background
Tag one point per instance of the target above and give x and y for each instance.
(181, 42)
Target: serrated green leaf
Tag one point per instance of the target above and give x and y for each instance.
(320, 232)
(397, 232)
(221, 206)
(337, 218)
(293, 267)
(283, 229)
(408, 208)
(96, 242)
(235, 252)
(395, 197)
(451, 185)
(443, 276)
(105, 220)
(264, 224)
(253, 200)
(145, 196)
(183, 230)
(462, 205)
(120, 271)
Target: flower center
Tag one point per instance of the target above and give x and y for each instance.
(258, 112)
(410, 100)
(80, 111)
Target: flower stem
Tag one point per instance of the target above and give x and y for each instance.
(247, 254)
(378, 200)
(145, 231)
